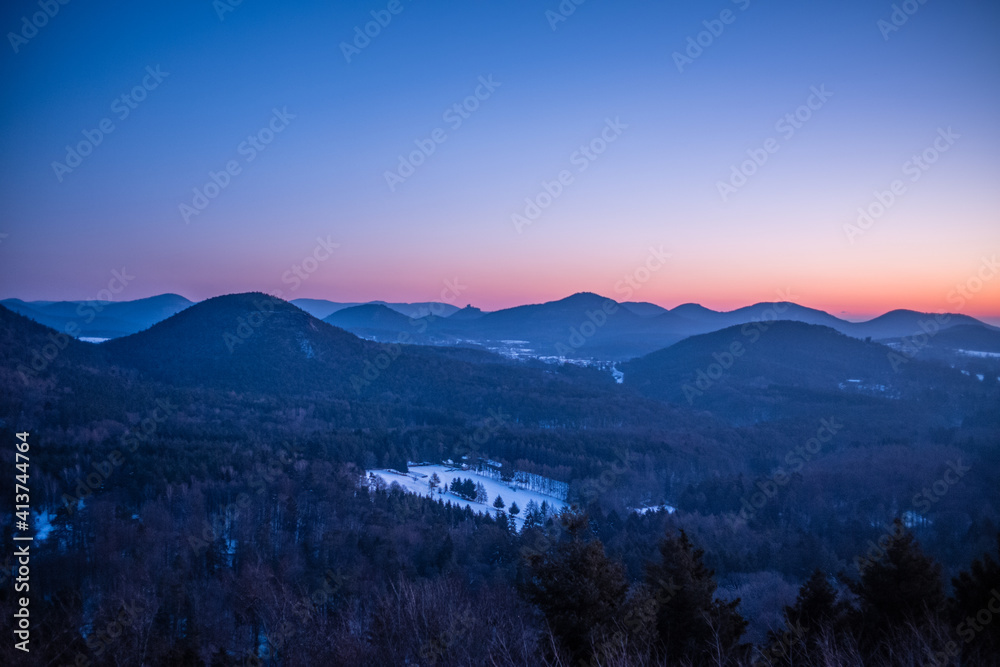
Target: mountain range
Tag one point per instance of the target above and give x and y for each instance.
(762, 369)
(587, 326)
(113, 319)
(100, 319)
(584, 326)
(260, 346)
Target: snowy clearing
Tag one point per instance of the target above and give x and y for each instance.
(981, 355)
(416, 481)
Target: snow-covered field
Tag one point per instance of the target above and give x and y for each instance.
(416, 481)
(982, 355)
(669, 509)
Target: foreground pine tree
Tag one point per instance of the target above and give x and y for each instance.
(816, 617)
(899, 595)
(976, 610)
(579, 589)
(692, 626)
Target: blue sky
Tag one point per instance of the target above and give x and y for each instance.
(788, 227)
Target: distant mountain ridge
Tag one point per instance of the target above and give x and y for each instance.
(256, 344)
(321, 308)
(589, 326)
(100, 319)
(257, 348)
(582, 326)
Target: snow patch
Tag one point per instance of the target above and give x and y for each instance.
(42, 525)
(669, 509)
(418, 481)
(976, 353)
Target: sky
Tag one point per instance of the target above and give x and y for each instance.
(843, 154)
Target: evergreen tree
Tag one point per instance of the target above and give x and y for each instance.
(579, 588)
(466, 488)
(499, 503)
(514, 509)
(376, 482)
(691, 624)
(532, 515)
(816, 613)
(434, 482)
(898, 593)
(481, 495)
(975, 591)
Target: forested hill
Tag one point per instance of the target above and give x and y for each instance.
(256, 345)
(771, 369)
